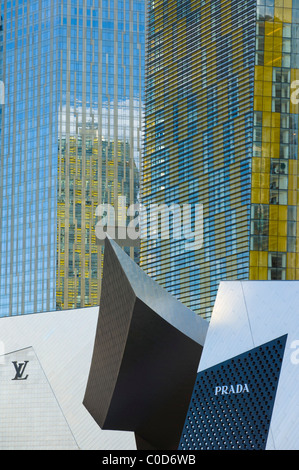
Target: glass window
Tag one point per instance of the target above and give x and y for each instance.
(286, 60)
(286, 45)
(260, 44)
(285, 121)
(291, 229)
(259, 58)
(284, 136)
(257, 134)
(284, 151)
(291, 245)
(259, 243)
(277, 266)
(292, 213)
(287, 31)
(258, 118)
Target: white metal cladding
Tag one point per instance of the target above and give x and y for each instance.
(250, 313)
(62, 343)
(30, 414)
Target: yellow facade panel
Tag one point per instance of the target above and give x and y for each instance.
(291, 274)
(268, 74)
(253, 273)
(263, 259)
(265, 180)
(275, 150)
(259, 73)
(275, 135)
(277, 45)
(258, 87)
(267, 104)
(266, 136)
(263, 274)
(273, 243)
(264, 195)
(282, 213)
(291, 260)
(287, 13)
(256, 165)
(267, 119)
(256, 180)
(278, 12)
(282, 228)
(258, 103)
(275, 120)
(282, 244)
(253, 258)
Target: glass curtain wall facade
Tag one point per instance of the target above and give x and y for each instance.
(274, 195)
(100, 112)
(71, 128)
(221, 130)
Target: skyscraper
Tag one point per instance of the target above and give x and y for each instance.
(70, 140)
(221, 129)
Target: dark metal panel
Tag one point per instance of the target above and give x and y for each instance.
(232, 402)
(117, 303)
(155, 381)
(143, 367)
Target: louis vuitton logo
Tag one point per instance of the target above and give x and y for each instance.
(20, 369)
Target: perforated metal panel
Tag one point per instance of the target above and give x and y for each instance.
(232, 402)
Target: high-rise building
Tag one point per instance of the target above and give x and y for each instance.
(70, 140)
(221, 130)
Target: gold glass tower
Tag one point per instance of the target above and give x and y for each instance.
(221, 130)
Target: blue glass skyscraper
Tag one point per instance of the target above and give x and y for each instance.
(71, 139)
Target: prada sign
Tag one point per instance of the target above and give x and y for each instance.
(231, 389)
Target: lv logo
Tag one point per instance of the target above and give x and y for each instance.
(20, 369)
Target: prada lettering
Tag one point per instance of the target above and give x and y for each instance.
(231, 389)
(20, 369)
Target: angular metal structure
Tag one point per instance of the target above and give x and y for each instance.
(245, 396)
(146, 354)
(44, 366)
(236, 414)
